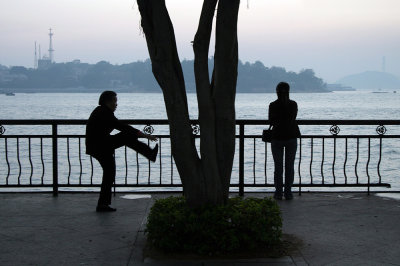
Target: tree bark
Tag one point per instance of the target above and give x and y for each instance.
(204, 180)
(206, 103)
(224, 84)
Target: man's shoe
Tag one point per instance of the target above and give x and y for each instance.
(105, 208)
(154, 152)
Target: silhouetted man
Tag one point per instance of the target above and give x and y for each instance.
(101, 145)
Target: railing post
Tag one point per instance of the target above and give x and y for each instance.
(241, 160)
(55, 158)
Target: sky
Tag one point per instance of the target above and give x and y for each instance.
(335, 38)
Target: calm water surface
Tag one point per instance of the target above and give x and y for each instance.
(338, 105)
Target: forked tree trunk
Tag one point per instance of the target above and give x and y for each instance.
(205, 179)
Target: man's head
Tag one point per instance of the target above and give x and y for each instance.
(282, 90)
(108, 99)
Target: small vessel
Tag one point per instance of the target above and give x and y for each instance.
(10, 94)
(380, 91)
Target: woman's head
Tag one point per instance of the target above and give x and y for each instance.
(282, 90)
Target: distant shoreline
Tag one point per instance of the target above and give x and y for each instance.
(138, 77)
(118, 90)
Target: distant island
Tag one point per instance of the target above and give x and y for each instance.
(372, 81)
(76, 76)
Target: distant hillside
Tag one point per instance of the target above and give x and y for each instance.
(138, 77)
(371, 80)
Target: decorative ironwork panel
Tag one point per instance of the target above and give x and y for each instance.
(196, 129)
(148, 129)
(334, 130)
(381, 130)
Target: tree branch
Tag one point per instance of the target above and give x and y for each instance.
(206, 104)
(224, 79)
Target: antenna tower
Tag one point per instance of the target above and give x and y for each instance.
(35, 63)
(51, 50)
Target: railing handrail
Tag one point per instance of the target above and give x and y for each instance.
(238, 121)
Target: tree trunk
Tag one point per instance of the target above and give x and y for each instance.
(204, 180)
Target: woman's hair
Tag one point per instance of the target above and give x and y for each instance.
(106, 96)
(282, 90)
(282, 86)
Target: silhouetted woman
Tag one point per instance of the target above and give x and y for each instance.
(285, 131)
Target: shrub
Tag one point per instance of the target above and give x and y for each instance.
(240, 225)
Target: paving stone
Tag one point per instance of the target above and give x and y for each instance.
(335, 228)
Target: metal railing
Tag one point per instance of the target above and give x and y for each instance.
(55, 160)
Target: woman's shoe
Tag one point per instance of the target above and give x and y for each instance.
(289, 196)
(277, 196)
(105, 208)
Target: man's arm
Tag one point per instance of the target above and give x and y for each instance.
(125, 127)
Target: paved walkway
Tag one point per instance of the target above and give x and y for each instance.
(336, 229)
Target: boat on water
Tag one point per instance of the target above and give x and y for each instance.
(10, 94)
(380, 91)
